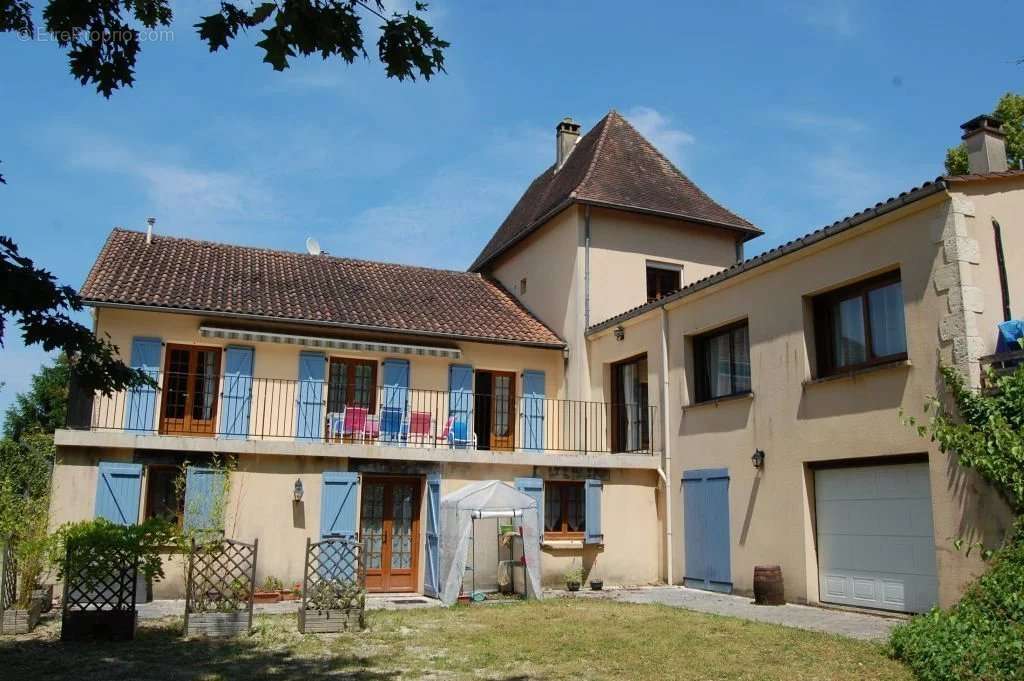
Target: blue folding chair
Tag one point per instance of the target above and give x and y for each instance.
(393, 425)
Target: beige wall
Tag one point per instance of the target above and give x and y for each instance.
(798, 421)
(260, 507)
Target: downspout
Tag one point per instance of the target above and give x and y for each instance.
(666, 466)
(586, 268)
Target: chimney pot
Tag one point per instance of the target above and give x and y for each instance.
(986, 144)
(150, 223)
(567, 133)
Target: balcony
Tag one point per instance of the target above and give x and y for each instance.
(329, 415)
(1000, 364)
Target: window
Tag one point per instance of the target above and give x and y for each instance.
(162, 499)
(191, 388)
(629, 406)
(351, 383)
(663, 280)
(565, 510)
(860, 325)
(522, 286)
(722, 362)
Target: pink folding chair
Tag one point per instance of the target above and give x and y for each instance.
(355, 422)
(372, 430)
(420, 427)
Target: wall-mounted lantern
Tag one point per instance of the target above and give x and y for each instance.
(297, 491)
(620, 333)
(758, 459)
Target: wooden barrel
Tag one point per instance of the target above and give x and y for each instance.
(768, 585)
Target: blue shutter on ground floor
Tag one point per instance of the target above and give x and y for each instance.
(237, 402)
(118, 490)
(140, 402)
(432, 569)
(204, 499)
(593, 490)
(533, 410)
(310, 398)
(394, 399)
(338, 505)
(706, 529)
(534, 487)
(460, 403)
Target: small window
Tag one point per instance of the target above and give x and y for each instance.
(522, 286)
(162, 498)
(565, 510)
(722, 362)
(860, 325)
(663, 280)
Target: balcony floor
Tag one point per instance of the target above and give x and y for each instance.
(283, 447)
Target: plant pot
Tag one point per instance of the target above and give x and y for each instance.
(215, 624)
(329, 621)
(596, 584)
(44, 594)
(18, 621)
(266, 597)
(572, 586)
(289, 595)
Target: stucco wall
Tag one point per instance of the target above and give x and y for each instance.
(798, 421)
(260, 506)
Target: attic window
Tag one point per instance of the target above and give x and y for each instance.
(663, 279)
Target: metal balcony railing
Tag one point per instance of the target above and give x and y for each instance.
(226, 406)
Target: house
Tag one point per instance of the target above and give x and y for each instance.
(681, 414)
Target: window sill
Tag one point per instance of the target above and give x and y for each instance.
(561, 544)
(852, 375)
(717, 400)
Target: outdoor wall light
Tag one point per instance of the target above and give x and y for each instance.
(620, 333)
(297, 492)
(758, 459)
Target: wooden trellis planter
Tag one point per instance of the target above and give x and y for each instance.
(333, 588)
(219, 589)
(14, 620)
(99, 595)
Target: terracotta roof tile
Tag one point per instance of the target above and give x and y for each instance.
(612, 165)
(186, 274)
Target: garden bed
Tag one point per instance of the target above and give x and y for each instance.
(18, 621)
(98, 625)
(216, 624)
(330, 621)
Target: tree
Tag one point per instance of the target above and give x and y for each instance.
(44, 407)
(42, 309)
(1009, 109)
(101, 37)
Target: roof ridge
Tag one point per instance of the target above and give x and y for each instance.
(597, 150)
(281, 251)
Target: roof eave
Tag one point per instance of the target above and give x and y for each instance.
(481, 262)
(749, 231)
(95, 302)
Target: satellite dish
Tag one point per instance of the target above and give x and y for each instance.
(312, 246)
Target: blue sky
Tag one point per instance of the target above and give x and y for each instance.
(792, 114)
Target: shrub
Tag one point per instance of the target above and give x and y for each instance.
(982, 637)
(145, 543)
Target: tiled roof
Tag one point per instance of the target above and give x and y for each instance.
(612, 165)
(203, 276)
(892, 203)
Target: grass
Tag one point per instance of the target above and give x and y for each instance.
(553, 639)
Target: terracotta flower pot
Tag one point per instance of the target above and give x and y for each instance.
(266, 597)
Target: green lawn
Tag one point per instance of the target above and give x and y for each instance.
(554, 639)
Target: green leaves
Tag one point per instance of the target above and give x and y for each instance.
(1010, 109)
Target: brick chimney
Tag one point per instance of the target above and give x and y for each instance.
(567, 133)
(986, 144)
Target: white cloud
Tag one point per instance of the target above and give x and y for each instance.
(658, 129)
(833, 16)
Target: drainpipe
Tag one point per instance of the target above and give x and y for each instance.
(586, 268)
(666, 470)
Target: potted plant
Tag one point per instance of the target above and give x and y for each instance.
(292, 594)
(573, 577)
(333, 605)
(270, 592)
(23, 521)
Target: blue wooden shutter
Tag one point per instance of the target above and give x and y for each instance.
(706, 529)
(431, 573)
(140, 402)
(118, 489)
(204, 491)
(533, 410)
(593, 490)
(394, 400)
(535, 488)
(460, 401)
(237, 402)
(338, 505)
(310, 408)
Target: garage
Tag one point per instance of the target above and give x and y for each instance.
(876, 547)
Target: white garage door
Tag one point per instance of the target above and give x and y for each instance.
(875, 542)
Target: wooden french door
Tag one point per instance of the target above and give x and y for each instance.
(389, 525)
(495, 407)
(190, 390)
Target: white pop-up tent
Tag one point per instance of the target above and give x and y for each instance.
(485, 499)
